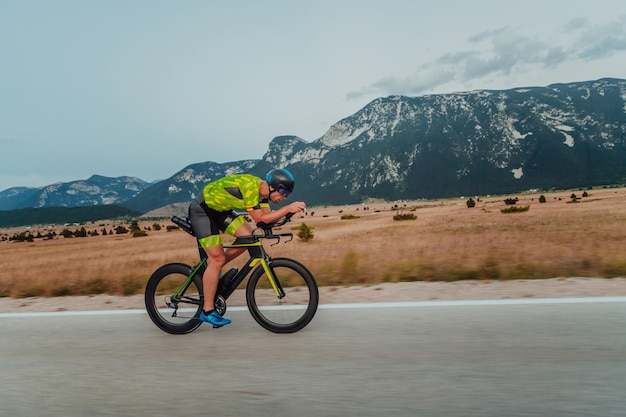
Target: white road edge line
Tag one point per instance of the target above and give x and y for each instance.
(400, 304)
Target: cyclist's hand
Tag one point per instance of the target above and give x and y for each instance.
(296, 207)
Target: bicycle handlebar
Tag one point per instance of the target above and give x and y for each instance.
(269, 226)
(267, 229)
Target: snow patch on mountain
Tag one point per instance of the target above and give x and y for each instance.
(341, 133)
(308, 156)
(569, 140)
(189, 175)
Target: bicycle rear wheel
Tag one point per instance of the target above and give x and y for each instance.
(290, 313)
(174, 316)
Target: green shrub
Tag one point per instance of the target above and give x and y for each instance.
(349, 217)
(615, 268)
(139, 233)
(82, 232)
(349, 271)
(95, 286)
(462, 274)
(5, 290)
(305, 232)
(490, 269)
(404, 216)
(524, 271)
(131, 286)
(120, 230)
(62, 291)
(515, 209)
(574, 199)
(32, 290)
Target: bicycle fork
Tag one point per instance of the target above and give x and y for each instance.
(266, 264)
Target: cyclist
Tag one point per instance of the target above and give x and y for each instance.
(212, 212)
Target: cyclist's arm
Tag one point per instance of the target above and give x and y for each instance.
(266, 215)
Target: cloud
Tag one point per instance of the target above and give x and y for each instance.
(503, 51)
(419, 82)
(487, 34)
(601, 41)
(575, 24)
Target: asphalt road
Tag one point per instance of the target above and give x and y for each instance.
(545, 359)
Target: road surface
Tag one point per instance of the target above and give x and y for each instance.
(509, 358)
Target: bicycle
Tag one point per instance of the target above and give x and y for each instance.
(281, 293)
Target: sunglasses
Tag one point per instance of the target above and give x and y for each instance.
(283, 191)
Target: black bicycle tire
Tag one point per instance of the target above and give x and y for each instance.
(149, 299)
(311, 309)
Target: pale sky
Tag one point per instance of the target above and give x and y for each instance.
(146, 87)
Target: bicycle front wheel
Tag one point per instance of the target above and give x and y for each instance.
(286, 314)
(174, 314)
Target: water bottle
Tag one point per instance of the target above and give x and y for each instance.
(183, 224)
(228, 276)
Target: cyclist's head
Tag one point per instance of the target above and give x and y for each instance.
(280, 180)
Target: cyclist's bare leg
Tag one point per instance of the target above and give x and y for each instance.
(211, 276)
(218, 257)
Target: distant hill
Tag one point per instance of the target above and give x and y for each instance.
(433, 146)
(62, 215)
(185, 184)
(96, 190)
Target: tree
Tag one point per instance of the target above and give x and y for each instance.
(134, 225)
(120, 230)
(304, 232)
(82, 232)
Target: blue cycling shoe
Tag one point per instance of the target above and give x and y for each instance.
(214, 318)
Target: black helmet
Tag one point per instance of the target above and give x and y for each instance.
(280, 178)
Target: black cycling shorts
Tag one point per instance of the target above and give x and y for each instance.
(208, 223)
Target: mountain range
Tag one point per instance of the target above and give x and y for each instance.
(96, 190)
(432, 146)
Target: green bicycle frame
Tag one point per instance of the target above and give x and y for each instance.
(258, 255)
(176, 297)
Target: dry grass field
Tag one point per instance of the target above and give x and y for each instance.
(447, 241)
